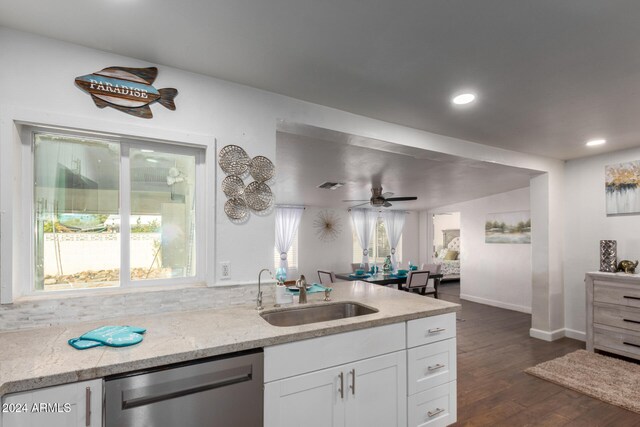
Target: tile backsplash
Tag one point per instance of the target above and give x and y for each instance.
(39, 312)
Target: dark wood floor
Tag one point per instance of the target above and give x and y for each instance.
(494, 348)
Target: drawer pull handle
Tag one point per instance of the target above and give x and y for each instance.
(353, 382)
(631, 344)
(87, 406)
(629, 297)
(437, 411)
(341, 390)
(435, 367)
(631, 321)
(436, 330)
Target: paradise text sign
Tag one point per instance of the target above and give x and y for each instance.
(129, 90)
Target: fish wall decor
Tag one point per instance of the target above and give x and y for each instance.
(126, 89)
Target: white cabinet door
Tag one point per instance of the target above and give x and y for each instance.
(377, 391)
(310, 400)
(60, 406)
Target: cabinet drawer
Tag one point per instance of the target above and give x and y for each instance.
(295, 358)
(431, 329)
(613, 293)
(617, 341)
(431, 365)
(436, 407)
(620, 317)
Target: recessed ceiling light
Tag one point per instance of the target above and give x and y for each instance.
(152, 161)
(596, 142)
(463, 98)
(144, 150)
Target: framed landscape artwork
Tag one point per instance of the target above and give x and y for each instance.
(508, 227)
(621, 188)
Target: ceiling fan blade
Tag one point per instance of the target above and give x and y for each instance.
(357, 200)
(361, 204)
(386, 195)
(387, 204)
(401, 199)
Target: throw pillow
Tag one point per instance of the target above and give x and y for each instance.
(451, 256)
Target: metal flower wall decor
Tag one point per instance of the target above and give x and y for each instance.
(328, 225)
(241, 199)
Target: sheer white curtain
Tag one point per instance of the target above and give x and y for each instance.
(394, 223)
(363, 221)
(287, 222)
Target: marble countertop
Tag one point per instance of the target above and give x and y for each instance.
(41, 357)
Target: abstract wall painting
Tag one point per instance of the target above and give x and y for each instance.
(622, 189)
(508, 227)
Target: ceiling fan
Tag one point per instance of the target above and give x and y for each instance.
(379, 199)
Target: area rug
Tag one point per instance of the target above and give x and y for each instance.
(605, 378)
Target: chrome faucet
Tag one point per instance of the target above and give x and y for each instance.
(259, 299)
(301, 284)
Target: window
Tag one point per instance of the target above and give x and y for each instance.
(113, 212)
(379, 246)
(292, 256)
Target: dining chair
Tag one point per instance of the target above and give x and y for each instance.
(356, 266)
(326, 277)
(417, 280)
(432, 288)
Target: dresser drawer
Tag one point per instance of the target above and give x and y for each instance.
(620, 317)
(617, 341)
(610, 293)
(436, 407)
(431, 329)
(431, 365)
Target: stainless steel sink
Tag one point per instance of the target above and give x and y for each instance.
(316, 313)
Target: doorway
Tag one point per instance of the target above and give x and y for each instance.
(446, 244)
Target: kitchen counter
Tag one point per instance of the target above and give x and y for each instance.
(36, 358)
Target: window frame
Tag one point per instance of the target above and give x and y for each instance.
(27, 142)
(373, 257)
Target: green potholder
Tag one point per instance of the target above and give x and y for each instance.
(112, 336)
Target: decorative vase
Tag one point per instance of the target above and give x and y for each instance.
(608, 254)
(387, 267)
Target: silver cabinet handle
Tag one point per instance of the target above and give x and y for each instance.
(435, 412)
(353, 382)
(436, 330)
(87, 406)
(341, 389)
(435, 367)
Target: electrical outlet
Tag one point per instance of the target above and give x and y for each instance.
(225, 270)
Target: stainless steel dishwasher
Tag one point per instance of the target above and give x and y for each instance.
(222, 391)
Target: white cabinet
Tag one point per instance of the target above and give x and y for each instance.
(351, 379)
(70, 405)
(393, 375)
(432, 371)
(375, 392)
(366, 393)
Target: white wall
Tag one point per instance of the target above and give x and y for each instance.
(493, 274)
(411, 239)
(315, 254)
(36, 82)
(586, 223)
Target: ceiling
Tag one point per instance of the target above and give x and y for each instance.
(436, 179)
(549, 74)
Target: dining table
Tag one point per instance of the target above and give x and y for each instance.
(382, 278)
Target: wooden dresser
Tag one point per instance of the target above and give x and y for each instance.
(613, 313)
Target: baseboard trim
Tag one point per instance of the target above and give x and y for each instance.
(547, 335)
(576, 335)
(494, 303)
